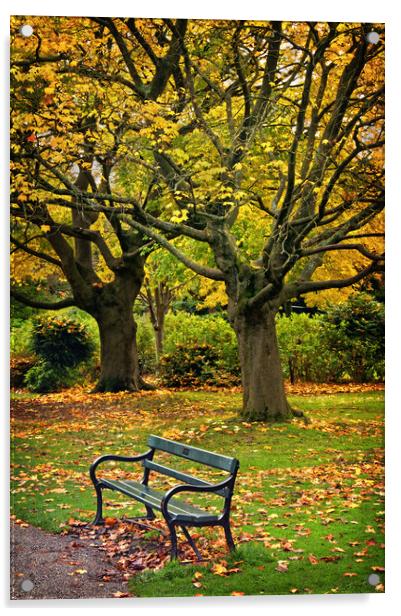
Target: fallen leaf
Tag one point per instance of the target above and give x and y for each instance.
(219, 569)
(110, 521)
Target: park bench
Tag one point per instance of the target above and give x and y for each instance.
(176, 512)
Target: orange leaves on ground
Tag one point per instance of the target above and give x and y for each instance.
(307, 389)
(282, 566)
(110, 521)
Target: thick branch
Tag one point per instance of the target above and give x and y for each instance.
(65, 303)
(359, 247)
(320, 285)
(203, 270)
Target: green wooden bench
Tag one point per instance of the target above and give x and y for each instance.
(176, 512)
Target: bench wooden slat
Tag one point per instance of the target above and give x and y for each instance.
(153, 498)
(172, 472)
(193, 453)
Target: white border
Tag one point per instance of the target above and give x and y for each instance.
(340, 10)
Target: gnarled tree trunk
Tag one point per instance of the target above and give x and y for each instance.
(264, 397)
(119, 367)
(113, 311)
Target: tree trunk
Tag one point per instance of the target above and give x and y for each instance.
(159, 339)
(264, 397)
(112, 307)
(119, 367)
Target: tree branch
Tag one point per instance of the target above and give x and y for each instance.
(36, 253)
(203, 270)
(65, 303)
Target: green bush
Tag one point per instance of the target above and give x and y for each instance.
(45, 377)
(61, 344)
(145, 341)
(212, 329)
(356, 335)
(344, 344)
(21, 336)
(304, 350)
(61, 341)
(189, 365)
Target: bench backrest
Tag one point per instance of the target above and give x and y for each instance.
(194, 454)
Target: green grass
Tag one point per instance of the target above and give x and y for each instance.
(304, 493)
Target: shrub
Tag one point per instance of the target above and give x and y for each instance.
(212, 329)
(45, 377)
(61, 341)
(344, 344)
(21, 336)
(357, 336)
(189, 365)
(61, 344)
(304, 351)
(145, 341)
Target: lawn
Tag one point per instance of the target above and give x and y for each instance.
(308, 511)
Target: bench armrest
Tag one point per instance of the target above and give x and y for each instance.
(107, 457)
(227, 483)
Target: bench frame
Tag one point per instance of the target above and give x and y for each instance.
(223, 488)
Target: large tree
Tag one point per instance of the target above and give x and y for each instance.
(66, 132)
(264, 146)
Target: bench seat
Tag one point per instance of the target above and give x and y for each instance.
(179, 509)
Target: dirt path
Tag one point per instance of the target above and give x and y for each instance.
(47, 566)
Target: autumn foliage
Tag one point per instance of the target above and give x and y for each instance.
(252, 152)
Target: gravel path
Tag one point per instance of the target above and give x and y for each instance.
(47, 566)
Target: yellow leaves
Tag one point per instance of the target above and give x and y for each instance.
(45, 228)
(179, 216)
(219, 569)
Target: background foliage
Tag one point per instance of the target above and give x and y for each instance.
(344, 343)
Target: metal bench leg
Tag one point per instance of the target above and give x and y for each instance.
(192, 543)
(229, 537)
(149, 513)
(99, 509)
(173, 538)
